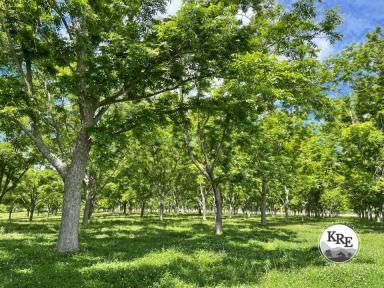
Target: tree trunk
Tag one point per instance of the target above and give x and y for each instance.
(218, 212)
(32, 210)
(286, 203)
(263, 201)
(89, 201)
(151, 205)
(130, 207)
(161, 207)
(380, 218)
(203, 203)
(69, 228)
(142, 209)
(87, 210)
(177, 206)
(169, 208)
(125, 204)
(10, 212)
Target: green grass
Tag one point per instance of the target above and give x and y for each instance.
(126, 251)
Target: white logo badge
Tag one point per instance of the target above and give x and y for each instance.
(339, 243)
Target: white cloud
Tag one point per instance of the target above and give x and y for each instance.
(325, 47)
(173, 7)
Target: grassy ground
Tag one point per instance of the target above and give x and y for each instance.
(126, 251)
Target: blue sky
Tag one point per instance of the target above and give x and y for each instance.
(359, 17)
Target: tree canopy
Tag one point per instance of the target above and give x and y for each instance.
(222, 106)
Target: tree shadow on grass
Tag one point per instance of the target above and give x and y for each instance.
(142, 253)
(229, 269)
(28, 227)
(365, 225)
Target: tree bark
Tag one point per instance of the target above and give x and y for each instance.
(218, 210)
(161, 207)
(125, 203)
(10, 212)
(142, 209)
(203, 203)
(263, 201)
(88, 209)
(380, 218)
(177, 205)
(32, 210)
(286, 203)
(69, 228)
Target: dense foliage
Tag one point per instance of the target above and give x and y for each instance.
(222, 108)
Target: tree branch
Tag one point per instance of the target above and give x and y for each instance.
(11, 45)
(35, 135)
(221, 142)
(193, 158)
(115, 97)
(16, 181)
(59, 165)
(56, 8)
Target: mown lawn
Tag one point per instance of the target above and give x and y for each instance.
(126, 251)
